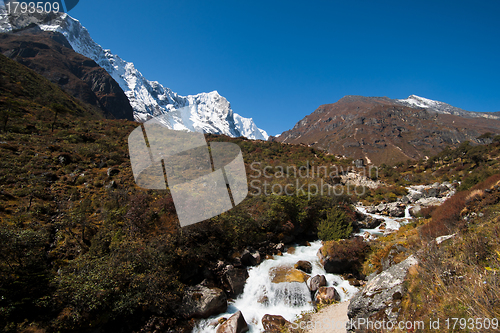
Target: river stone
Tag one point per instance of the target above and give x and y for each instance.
(371, 209)
(405, 200)
(368, 222)
(287, 274)
(250, 258)
(233, 280)
(326, 295)
(414, 196)
(202, 302)
(396, 210)
(316, 282)
(431, 192)
(276, 324)
(235, 324)
(381, 297)
(415, 210)
(304, 266)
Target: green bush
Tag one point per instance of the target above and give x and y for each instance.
(336, 225)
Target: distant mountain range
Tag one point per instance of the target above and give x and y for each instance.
(377, 129)
(383, 130)
(148, 99)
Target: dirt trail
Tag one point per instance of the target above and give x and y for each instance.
(331, 319)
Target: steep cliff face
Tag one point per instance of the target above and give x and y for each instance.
(49, 54)
(382, 130)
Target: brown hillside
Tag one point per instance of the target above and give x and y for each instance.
(382, 131)
(49, 54)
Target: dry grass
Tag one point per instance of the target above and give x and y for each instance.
(474, 195)
(446, 218)
(459, 278)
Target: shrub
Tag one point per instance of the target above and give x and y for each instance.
(337, 225)
(445, 219)
(426, 212)
(353, 250)
(474, 178)
(489, 182)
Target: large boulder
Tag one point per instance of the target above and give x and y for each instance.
(326, 295)
(235, 324)
(276, 324)
(234, 279)
(282, 274)
(367, 222)
(413, 196)
(415, 210)
(304, 266)
(431, 192)
(316, 282)
(250, 258)
(202, 302)
(380, 299)
(396, 210)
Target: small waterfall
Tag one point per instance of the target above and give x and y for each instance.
(391, 223)
(289, 299)
(290, 294)
(407, 211)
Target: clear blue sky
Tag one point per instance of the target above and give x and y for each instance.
(277, 61)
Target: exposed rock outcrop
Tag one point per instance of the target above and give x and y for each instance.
(357, 179)
(380, 299)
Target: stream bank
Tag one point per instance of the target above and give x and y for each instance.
(276, 290)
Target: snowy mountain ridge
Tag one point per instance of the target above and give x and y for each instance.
(415, 101)
(150, 98)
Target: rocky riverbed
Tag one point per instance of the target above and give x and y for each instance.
(268, 288)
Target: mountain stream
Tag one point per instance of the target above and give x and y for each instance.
(289, 299)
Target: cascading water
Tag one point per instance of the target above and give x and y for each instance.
(261, 296)
(391, 223)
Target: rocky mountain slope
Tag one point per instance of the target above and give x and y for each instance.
(147, 98)
(49, 54)
(383, 130)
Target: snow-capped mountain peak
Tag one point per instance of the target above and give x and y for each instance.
(421, 102)
(151, 98)
(415, 101)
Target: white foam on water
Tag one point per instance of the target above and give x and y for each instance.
(288, 299)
